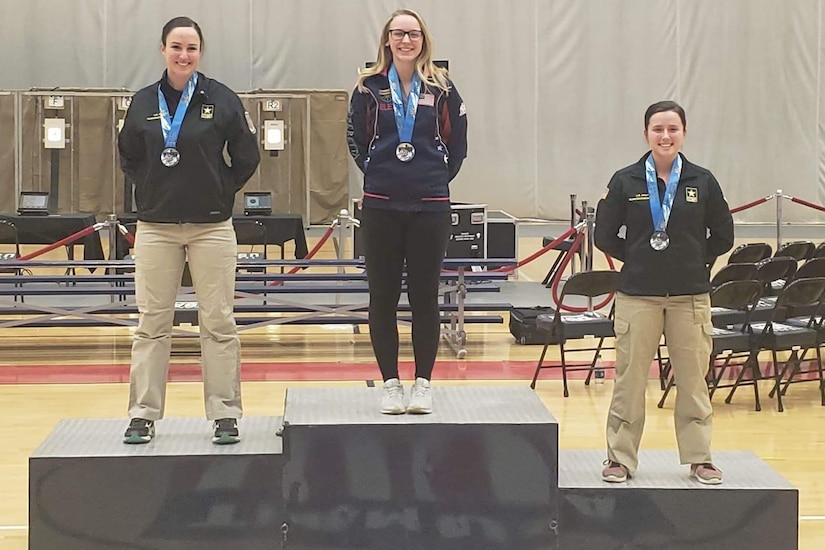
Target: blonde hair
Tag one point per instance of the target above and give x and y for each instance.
(424, 66)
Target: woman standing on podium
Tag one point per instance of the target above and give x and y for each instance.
(677, 223)
(408, 134)
(171, 148)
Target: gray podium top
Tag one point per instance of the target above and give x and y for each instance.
(103, 437)
(661, 470)
(451, 405)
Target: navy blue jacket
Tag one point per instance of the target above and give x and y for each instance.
(439, 138)
(202, 187)
(700, 229)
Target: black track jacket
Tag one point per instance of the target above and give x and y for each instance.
(439, 137)
(700, 229)
(202, 187)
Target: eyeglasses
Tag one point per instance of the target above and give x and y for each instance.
(398, 34)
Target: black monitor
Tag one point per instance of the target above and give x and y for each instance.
(33, 203)
(257, 203)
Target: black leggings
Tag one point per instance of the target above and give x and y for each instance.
(390, 238)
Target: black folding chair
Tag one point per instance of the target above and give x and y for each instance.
(251, 232)
(558, 328)
(776, 336)
(798, 250)
(819, 251)
(750, 253)
(563, 249)
(773, 273)
(734, 272)
(8, 235)
(811, 318)
(731, 346)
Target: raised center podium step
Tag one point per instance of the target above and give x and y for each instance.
(480, 472)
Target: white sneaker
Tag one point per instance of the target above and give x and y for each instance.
(392, 402)
(421, 400)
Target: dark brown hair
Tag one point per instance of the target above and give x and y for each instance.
(180, 22)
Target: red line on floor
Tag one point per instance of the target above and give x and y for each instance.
(334, 371)
(300, 371)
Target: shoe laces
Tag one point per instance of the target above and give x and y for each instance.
(139, 423)
(394, 390)
(420, 390)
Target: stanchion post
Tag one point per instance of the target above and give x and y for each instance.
(590, 222)
(343, 218)
(778, 218)
(573, 222)
(584, 252)
(111, 222)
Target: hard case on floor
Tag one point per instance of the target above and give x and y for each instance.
(523, 324)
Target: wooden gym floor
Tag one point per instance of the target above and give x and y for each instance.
(63, 369)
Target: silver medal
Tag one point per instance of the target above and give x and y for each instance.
(659, 240)
(170, 157)
(405, 152)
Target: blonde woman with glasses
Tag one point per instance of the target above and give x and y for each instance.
(408, 135)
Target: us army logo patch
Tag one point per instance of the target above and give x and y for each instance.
(207, 111)
(691, 194)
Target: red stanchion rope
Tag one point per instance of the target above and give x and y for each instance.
(808, 204)
(64, 241)
(560, 239)
(321, 242)
(555, 286)
(749, 205)
(126, 235)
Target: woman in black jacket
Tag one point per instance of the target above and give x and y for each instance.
(171, 147)
(408, 134)
(676, 223)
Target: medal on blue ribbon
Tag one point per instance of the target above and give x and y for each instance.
(404, 114)
(660, 211)
(170, 156)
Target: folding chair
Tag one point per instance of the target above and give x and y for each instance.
(726, 316)
(561, 327)
(734, 272)
(750, 253)
(563, 249)
(8, 235)
(251, 232)
(798, 250)
(810, 319)
(776, 336)
(731, 346)
(772, 272)
(819, 251)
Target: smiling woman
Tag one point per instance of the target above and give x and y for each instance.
(672, 238)
(408, 134)
(172, 148)
(181, 46)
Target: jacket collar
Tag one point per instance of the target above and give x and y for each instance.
(689, 170)
(166, 87)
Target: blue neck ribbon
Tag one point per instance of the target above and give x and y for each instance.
(404, 114)
(171, 128)
(660, 211)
